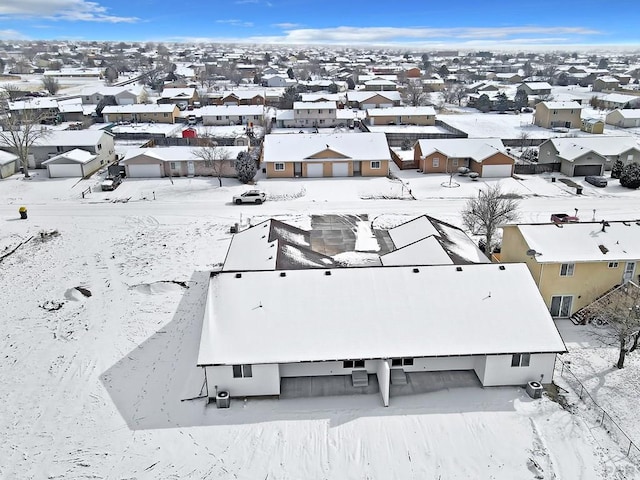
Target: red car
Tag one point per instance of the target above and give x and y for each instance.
(563, 218)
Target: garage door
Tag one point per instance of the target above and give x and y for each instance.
(340, 169)
(489, 171)
(315, 170)
(584, 170)
(144, 171)
(62, 170)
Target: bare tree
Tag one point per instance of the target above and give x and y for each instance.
(413, 94)
(51, 85)
(20, 132)
(215, 157)
(492, 208)
(524, 139)
(11, 91)
(618, 314)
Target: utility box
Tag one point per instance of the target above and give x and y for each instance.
(534, 389)
(223, 400)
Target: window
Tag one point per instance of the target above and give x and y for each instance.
(173, 165)
(555, 112)
(375, 164)
(353, 364)
(165, 115)
(279, 167)
(566, 269)
(630, 157)
(436, 162)
(99, 147)
(320, 111)
(613, 264)
(242, 371)
(399, 362)
(455, 162)
(520, 359)
(561, 306)
(321, 120)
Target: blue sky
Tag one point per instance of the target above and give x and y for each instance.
(419, 23)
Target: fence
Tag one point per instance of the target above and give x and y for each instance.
(531, 169)
(599, 414)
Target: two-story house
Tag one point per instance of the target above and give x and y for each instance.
(558, 114)
(141, 113)
(573, 264)
(232, 115)
(402, 116)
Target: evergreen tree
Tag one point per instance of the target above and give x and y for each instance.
(502, 102)
(483, 104)
(290, 73)
(520, 100)
(630, 176)
(246, 167)
(616, 170)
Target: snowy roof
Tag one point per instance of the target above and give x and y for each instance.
(178, 93)
(361, 96)
(422, 252)
(314, 97)
(411, 231)
(180, 154)
(273, 245)
(572, 148)
(583, 241)
(287, 318)
(538, 85)
(71, 138)
(629, 112)
(225, 110)
(140, 108)
(244, 94)
(476, 148)
(314, 105)
(618, 98)
(415, 111)
(608, 79)
(34, 104)
(342, 146)
(104, 91)
(561, 105)
(7, 157)
(75, 156)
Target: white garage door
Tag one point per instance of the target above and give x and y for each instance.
(62, 170)
(340, 169)
(315, 170)
(151, 170)
(366, 106)
(496, 171)
(127, 101)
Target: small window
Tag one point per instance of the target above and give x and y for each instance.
(347, 364)
(396, 362)
(630, 157)
(520, 359)
(566, 269)
(320, 111)
(613, 264)
(455, 162)
(165, 115)
(358, 364)
(436, 162)
(407, 361)
(279, 167)
(99, 146)
(173, 165)
(375, 165)
(242, 371)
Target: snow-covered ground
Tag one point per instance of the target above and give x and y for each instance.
(99, 386)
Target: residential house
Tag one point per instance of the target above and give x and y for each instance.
(43, 110)
(243, 97)
(592, 125)
(55, 142)
(535, 88)
(558, 114)
(181, 162)
(433, 85)
(232, 114)
(618, 101)
(608, 83)
(8, 164)
(581, 156)
(574, 263)
(75, 163)
(624, 118)
(512, 78)
(380, 85)
(401, 116)
(141, 113)
(365, 100)
(182, 97)
(277, 80)
(125, 95)
(246, 347)
(326, 155)
(485, 156)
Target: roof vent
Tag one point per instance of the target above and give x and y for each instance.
(238, 275)
(604, 224)
(501, 267)
(283, 274)
(458, 269)
(603, 249)
(327, 272)
(416, 270)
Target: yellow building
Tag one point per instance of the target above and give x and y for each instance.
(574, 264)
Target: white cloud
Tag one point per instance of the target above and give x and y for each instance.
(236, 23)
(286, 26)
(74, 10)
(12, 35)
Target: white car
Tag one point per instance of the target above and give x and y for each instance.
(250, 196)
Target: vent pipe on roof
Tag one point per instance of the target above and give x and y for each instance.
(604, 224)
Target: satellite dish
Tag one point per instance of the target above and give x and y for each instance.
(531, 253)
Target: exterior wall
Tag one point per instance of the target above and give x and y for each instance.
(383, 371)
(548, 153)
(265, 381)
(223, 120)
(590, 158)
(200, 167)
(288, 171)
(144, 117)
(106, 152)
(367, 171)
(315, 114)
(424, 120)
(93, 166)
(144, 160)
(616, 118)
(595, 128)
(496, 159)
(7, 170)
(498, 370)
(437, 364)
(514, 250)
(318, 369)
(445, 165)
(546, 118)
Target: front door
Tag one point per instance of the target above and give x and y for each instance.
(561, 306)
(629, 270)
(191, 169)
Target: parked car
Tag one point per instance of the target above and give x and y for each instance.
(596, 180)
(111, 183)
(563, 218)
(250, 196)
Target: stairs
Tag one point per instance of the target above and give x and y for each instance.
(583, 316)
(360, 378)
(398, 376)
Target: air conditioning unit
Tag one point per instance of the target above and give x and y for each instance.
(223, 400)
(534, 389)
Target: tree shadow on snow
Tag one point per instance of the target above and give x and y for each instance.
(154, 386)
